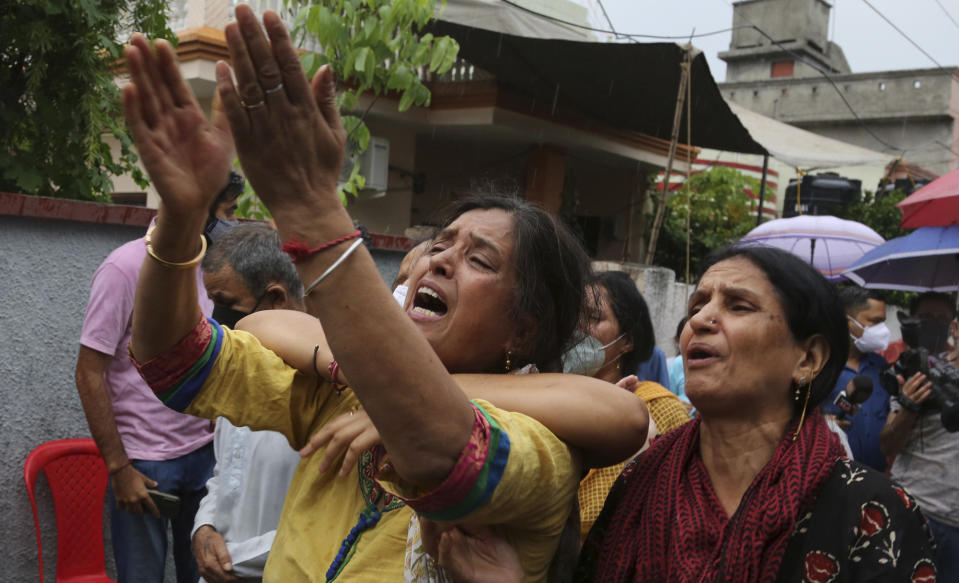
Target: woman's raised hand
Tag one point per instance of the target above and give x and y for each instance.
(188, 158)
(288, 133)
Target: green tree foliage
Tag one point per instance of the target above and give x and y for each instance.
(882, 215)
(57, 95)
(373, 46)
(721, 213)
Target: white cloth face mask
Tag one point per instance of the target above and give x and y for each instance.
(873, 337)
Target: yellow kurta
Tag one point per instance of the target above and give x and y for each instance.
(251, 386)
(667, 411)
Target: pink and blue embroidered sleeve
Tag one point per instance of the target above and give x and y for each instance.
(473, 479)
(177, 375)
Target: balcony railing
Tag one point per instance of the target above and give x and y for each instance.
(185, 14)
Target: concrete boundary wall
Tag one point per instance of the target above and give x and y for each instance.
(46, 266)
(666, 298)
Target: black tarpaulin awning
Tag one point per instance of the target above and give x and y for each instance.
(628, 86)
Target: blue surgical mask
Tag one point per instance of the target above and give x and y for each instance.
(587, 356)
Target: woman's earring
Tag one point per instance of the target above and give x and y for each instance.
(509, 364)
(797, 393)
(802, 386)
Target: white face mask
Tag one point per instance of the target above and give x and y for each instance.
(873, 337)
(399, 294)
(587, 356)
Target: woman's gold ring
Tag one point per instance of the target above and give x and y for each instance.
(249, 107)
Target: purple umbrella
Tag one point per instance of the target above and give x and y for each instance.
(829, 244)
(925, 260)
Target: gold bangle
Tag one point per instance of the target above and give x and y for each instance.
(174, 264)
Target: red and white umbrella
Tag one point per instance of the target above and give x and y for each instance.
(934, 205)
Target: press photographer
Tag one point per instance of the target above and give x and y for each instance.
(917, 431)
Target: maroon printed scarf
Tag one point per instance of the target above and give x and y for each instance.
(668, 524)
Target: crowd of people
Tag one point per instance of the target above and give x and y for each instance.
(501, 414)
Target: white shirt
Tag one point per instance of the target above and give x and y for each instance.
(835, 428)
(245, 495)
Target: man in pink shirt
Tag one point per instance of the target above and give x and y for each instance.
(145, 444)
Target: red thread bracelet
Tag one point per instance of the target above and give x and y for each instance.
(298, 250)
(334, 369)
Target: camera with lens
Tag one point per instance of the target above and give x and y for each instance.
(944, 377)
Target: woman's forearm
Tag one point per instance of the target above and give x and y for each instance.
(167, 306)
(296, 337)
(293, 336)
(604, 422)
(423, 416)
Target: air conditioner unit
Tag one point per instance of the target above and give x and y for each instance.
(374, 167)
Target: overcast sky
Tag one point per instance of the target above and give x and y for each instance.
(870, 43)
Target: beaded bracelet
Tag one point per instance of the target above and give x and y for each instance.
(329, 270)
(298, 250)
(173, 264)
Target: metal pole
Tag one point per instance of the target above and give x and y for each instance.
(762, 190)
(673, 142)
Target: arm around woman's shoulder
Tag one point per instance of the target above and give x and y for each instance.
(216, 371)
(605, 423)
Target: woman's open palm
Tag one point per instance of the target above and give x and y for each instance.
(187, 156)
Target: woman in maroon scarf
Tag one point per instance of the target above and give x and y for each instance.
(756, 488)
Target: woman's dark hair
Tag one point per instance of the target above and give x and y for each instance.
(551, 270)
(679, 328)
(630, 310)
(810, 303)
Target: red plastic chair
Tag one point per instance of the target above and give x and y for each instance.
(78, 480)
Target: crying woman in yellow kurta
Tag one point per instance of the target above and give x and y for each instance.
(500, 287)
